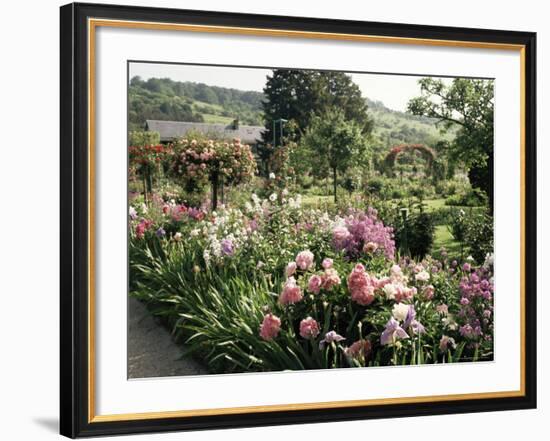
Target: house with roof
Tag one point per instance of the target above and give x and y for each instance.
(171, 130)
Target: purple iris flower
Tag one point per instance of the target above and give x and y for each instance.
(411, 322)
(133, 213)
(227, 247)
(392, 332)
(330, 337)
(160, 232)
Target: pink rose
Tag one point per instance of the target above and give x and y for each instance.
(309, 328)
(270, 327)
(304, 260)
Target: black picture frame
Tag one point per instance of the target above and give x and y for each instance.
(76, 419)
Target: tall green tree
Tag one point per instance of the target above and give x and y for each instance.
(299, 95)
(469, 105)
(335, 143)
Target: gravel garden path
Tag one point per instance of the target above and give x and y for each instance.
(151, 350)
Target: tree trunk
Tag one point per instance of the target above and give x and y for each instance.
(145, 189)
(334, 183)
(215, 183)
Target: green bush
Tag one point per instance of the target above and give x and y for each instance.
(479, 235)
(141, 138)
(471, 198)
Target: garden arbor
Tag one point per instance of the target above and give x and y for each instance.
(427, 153)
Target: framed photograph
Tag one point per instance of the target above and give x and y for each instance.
(275, 220)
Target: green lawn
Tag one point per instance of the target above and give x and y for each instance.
(434, 204)
(315, 201)
(444, 239)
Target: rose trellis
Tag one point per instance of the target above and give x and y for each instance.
(427, 153)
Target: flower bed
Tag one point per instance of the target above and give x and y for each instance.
(272, 286)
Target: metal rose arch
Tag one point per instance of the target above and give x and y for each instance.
(428, 154)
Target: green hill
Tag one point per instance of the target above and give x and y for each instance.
(165, 99)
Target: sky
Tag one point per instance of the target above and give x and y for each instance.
(393, 90)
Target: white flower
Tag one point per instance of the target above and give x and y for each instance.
(177, 236)
(489, 260)
(255, 198)
(470, 258)
(272, 175)
(422, 276)
(195, 232)
(400, 311)
(216, 247)
(390, 291)
(144, 208)
(285, 192)
(273, 197)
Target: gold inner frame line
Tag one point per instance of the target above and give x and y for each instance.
(92, 25)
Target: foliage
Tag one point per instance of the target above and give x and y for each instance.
(335, 144)
(475, 231)
(141, 138)
(469, 198)
(468, 104)
(299, 95)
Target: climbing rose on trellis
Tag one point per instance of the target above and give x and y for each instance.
(427, 152)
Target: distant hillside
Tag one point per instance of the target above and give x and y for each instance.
(392, 127)
(168, 100)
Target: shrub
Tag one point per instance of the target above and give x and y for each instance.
(479, 235)
(374, 186)
(471, 198)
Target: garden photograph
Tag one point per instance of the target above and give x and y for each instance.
(288, 219)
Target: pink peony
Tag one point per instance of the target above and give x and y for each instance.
(304, 260)
(339, 235)
(327, 263)
(330, 278)
(314, 284)
(428, 292)
(270, 327)
(403, 293)
(290, 269)
(361, 286)
(309, 328)
(370, 247)
(291, 292)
